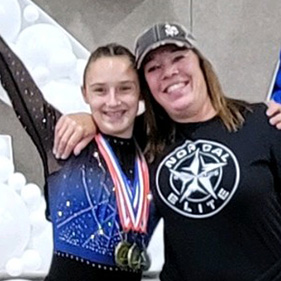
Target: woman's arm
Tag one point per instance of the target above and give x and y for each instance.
(74, 131)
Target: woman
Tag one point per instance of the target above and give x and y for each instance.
(99, 201)
(216, 173)
(217, 168)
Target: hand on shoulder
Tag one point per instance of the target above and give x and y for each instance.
(73, 133)
(274, 114)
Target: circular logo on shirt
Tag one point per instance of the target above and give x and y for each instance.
(198, 179)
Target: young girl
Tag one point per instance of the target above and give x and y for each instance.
(99, 201)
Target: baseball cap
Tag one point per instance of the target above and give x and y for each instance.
(162, 34)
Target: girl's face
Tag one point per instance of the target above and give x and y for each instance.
(112, 90)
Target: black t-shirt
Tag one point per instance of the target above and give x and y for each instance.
(219, 195)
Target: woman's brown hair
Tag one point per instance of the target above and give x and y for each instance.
(161, 128)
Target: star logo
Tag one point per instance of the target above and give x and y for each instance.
(197, 177)
(194, 180)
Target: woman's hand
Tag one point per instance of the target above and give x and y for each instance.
(274, 114)
(73, 132)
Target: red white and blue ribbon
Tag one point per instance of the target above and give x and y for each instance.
(132, 201)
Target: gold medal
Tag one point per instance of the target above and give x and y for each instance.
(134, 257)
(138, 259)
(121, 253)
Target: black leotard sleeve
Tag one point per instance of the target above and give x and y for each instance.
(36, 115)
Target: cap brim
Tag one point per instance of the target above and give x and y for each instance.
(162, 43)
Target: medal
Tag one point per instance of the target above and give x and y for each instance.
(121, 253)
(145, 260)
(132, 204)
(138, 258)
(134, 257)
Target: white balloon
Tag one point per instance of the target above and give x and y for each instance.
(42, 207)
(17, 181)
(14, 267)
(16, 279)
(38, 221)
(38, 41)
(43, 243)
(6, 168)
(61, 63)
(31, 260)
(31, 195)
(14, 224)
(77, 75)
(31, 13)
(10, 19)
(65, 96)
(41, 75)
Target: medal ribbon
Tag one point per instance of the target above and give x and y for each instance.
(133, 207)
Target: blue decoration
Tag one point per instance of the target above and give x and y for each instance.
(278, 79)
(276, 96)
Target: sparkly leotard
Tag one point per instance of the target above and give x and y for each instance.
(81, 201)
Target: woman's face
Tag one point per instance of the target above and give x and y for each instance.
(112, 91)
(176, 81)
